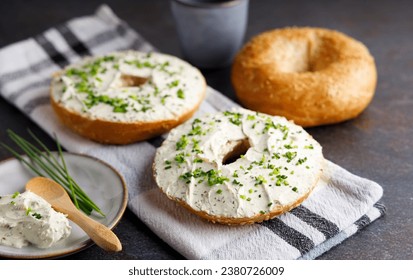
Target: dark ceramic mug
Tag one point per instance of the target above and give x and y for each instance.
(210, 31)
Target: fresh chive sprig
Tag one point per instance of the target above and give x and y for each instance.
(44, 163)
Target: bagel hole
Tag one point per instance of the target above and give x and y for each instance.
(297, 56)
(132, 81)
(239, 149)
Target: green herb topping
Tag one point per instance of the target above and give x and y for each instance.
(180, 93)
(174, 84)
(182, 143)
(301, 161)
(44, 163)
(180, 158)
(212, 176)
(37, 215)
(289, 146)
(281, 180)
(250, 117)
(290, 155)
(235, 118)
(168, 164)
(259, 180)
(16, 194)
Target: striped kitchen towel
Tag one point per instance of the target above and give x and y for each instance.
(341, 205)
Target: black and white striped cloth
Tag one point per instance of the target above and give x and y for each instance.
(341, 205)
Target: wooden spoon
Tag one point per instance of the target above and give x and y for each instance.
(56, 195)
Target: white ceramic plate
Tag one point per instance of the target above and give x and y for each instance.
(104, 185)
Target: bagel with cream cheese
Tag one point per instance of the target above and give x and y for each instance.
(129, 96)
(238, 167)
(312, 76)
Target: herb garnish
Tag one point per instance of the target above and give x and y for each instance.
(168, 164)
(181, 144)
(173, 84)
(290, 155)
(119, 105)
(235, 182)
(180, 93)
(180, 158)
(196, 149)
(196, 130)
(260, 180)
(301, 161)
(281, 179)
(235, 118)
(43, 163)
(212, 176)
(37, 215)
(289, 146)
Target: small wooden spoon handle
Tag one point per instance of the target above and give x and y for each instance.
(100, 234)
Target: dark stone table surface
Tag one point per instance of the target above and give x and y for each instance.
(377, 145)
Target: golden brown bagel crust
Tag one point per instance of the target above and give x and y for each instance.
(281, 209)
(119, 133)
(312, 76)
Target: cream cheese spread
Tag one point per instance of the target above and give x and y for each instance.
(276, 163)
(129, 86)
(28, 219)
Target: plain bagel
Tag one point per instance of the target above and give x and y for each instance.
(312, 76)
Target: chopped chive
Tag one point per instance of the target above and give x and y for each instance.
(180, 93)
(37, 216)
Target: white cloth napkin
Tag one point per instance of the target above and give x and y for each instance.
(341, 205)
